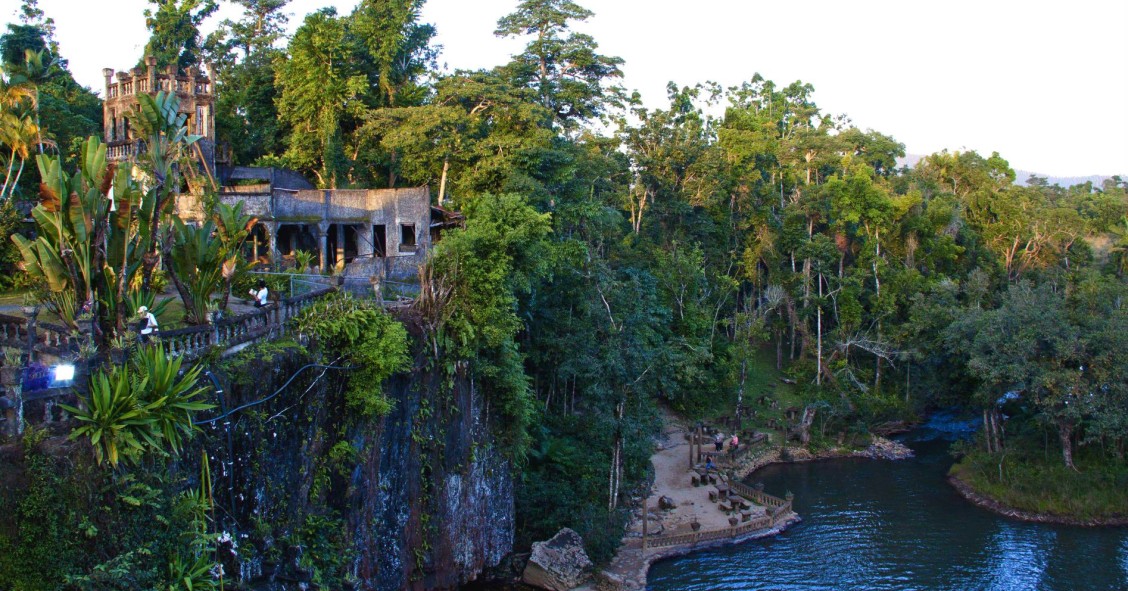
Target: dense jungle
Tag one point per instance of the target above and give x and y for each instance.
(738, 253)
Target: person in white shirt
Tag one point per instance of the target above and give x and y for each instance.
(260, 294)
(150, 326)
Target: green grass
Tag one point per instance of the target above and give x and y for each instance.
(12, 298)
(761, 379)
(1039, 484)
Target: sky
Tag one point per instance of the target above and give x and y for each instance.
(1043, 83)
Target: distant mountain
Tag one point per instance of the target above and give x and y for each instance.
(1022, 176)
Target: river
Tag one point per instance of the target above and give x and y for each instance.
(876, 525)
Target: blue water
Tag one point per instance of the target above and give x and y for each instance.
(875, 525)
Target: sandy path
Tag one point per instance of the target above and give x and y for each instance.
(672, 479)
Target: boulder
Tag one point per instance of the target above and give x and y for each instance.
(666, 503)
(559, 564)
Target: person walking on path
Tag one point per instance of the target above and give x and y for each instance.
(719, 441)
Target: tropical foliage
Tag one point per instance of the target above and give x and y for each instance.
(145, 406)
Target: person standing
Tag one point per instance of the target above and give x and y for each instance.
(719, 441)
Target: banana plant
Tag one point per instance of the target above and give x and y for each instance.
(71, 222)
(196, 267)
(158, 120)
(233, 227)
(89, 241)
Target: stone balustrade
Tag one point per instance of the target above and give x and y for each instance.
(267, 322)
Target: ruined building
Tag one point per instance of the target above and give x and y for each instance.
(381, 232)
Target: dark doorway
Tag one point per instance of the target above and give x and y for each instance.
(380, 240)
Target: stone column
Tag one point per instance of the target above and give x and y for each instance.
(272, 239)
(322, 245)
(151, 71)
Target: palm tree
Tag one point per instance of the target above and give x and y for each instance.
(17, 129)
(37, 71)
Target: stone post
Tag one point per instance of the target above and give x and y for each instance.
(272, 239)
(322, 245)
(151, 70)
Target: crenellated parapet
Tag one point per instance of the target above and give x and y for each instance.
(195, 89)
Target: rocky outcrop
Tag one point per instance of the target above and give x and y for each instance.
(885, 449)
(560, 564)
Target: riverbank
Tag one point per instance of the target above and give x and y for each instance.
(687, 504)
(1038, 487)
(983, 501)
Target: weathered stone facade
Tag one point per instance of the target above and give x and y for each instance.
(383, 232)
(371, 232)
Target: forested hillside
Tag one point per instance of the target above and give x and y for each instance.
(617, 257)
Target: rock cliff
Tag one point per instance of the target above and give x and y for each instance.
(418, 499)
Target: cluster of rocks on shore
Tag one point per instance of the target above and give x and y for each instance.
(885, 449)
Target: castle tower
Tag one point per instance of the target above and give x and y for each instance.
(197, 101)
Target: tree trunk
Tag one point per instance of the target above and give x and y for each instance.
(443, 180)
(616, 472)
(987, 439)
(805, 423)
(740, 391)
(1065, 433)
(779, 349)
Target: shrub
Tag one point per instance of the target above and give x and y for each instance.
(364, 335)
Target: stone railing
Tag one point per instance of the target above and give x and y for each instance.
(778, 510)
(774, 504)
(265, 322)
(46, 338)
(137, 82)
(13, 330)
(124, 150)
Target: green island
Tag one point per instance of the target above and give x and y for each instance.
(309, 310)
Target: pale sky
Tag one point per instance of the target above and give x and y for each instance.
(1043, 83)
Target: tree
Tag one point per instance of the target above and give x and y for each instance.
(174, 27)
(65, 112)
(394, 48)
(1061, 352)
(319, 88)
(473, 282)
(564, 67)
(18, 130)
(262, 25)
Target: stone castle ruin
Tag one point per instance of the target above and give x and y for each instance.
(368, 232)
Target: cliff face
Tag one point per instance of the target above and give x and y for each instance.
(418, 499)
